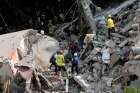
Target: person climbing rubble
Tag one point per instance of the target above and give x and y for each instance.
(88, 38)
(110, 25)
(60, 61)
(75, 63)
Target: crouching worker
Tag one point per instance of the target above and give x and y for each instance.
(60, 61)
(75, 63)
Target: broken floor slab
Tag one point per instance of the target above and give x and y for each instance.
(11, 41)
(41, 50)
(82, 82)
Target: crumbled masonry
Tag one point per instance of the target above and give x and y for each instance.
(24, 62)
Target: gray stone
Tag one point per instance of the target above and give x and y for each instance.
(82, 82)
(136, 50)
(123, 43)
(107, 80)
(110, 43)
(117, 35)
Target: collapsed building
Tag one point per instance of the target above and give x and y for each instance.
(25, 56)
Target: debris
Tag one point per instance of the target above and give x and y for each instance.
(108, 81)
(106, 56)
(110, 43)
(118, 35)
(82, 82)
(136, 50)
(124, 43)
(106, 66)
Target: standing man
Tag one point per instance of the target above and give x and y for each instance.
(53, 62)
(75, 63)
(73, 47)
(110, 25)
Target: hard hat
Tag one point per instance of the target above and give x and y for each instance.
(109, 16)
(75, 54)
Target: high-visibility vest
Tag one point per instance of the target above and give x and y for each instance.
(60, 60)
(110, 23)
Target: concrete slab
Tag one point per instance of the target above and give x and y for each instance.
(10, 41)
(41, 50)
(82, 82)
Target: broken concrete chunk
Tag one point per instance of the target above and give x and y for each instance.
(114, 58)
(81, 82)
(110, 43)
(90, 78)
(117, 35)
(106, 56)
(136, 50)
(135, 26)
(124, 43)
(107, 80)
(26, 62)
(137, 57)
(118, 88)
(133, 33)
(95, 51)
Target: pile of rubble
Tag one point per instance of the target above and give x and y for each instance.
(28, 63)
(24, 69)
(122, 52)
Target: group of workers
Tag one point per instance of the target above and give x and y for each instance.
(58, 59)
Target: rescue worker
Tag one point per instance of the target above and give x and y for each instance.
(53, 62)
(88, 39)
(51, 27)
(73, 47)
(110, 25)
(75, 63)
(60, 61)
